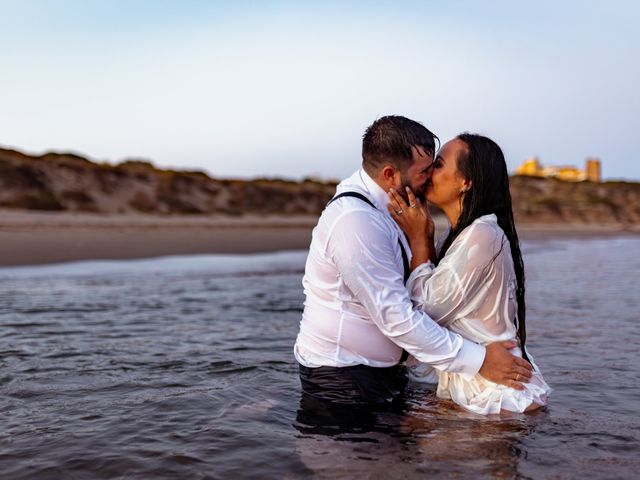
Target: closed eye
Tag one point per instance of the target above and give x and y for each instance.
(430, 167)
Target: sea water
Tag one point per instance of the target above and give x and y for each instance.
(182, 367)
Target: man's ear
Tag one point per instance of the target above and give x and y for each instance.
(389, 174)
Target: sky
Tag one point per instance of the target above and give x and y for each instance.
(286, 89)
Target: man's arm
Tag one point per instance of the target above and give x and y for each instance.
(365, 253)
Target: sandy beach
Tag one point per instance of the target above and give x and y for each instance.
(31, 238)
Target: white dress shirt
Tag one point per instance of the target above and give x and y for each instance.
(357, 310)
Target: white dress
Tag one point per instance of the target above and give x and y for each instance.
(472, 291)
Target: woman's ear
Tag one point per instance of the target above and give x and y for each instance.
(466, 186)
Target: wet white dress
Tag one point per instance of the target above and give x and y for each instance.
(472, 291)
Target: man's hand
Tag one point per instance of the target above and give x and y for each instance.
(500, 366)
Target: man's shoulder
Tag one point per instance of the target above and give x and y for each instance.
(352, 209)
(356, 221)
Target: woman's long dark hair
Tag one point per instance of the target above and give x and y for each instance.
(483, 164)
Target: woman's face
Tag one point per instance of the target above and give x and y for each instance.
(447, 183)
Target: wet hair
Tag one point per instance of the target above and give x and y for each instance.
(483, 164)
(390, 139)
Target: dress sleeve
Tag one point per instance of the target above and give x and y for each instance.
(364, 252)
(449, 291)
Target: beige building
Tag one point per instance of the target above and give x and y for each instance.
(533, 168)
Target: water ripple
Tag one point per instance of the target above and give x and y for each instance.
(182, 368)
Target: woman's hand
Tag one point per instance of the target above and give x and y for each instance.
(416, 223)
(414, 219)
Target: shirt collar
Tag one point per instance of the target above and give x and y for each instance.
(375, 193)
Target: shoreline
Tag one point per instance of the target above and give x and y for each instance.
(38, 238)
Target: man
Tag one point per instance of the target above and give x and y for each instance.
(358, 317)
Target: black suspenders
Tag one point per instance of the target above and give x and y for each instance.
(405, 258)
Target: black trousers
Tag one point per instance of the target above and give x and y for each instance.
(357, 385)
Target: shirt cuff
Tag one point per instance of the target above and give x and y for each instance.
(469, 359)
(428, 265)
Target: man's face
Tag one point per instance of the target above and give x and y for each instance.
(418, 174)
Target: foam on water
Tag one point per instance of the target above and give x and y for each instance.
(248, 263)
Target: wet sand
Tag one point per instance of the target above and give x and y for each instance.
(31, 238)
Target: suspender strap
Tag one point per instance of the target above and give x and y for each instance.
(405, 262)
(351, 194)
(405, 258)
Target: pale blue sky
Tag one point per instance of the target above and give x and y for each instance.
(249, 89)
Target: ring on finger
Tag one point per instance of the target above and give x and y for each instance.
(413, 205)
(399, 212)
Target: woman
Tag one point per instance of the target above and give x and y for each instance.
(473, 281)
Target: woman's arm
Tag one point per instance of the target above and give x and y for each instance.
(461, 282)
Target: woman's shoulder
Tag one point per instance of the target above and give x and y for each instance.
(484, 235)
(484, 232)
(484, 225)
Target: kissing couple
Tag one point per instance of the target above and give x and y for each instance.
(385, 302)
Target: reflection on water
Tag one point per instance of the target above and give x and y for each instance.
(423, 436)
(183, 368)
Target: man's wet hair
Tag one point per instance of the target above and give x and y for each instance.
(390, 140)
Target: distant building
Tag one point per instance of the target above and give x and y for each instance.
(569, 173)
(592, 170)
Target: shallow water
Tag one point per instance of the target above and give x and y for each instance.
(183, 368)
